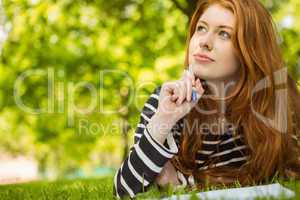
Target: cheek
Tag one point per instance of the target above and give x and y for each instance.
(232, 63)
(192, 48)
(193, 45)
(228, 59)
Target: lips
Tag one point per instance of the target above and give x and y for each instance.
(203, 58)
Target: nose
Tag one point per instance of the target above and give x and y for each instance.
(206, 42)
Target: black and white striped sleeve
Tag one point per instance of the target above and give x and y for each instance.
(147, 156)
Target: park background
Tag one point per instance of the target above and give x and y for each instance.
(82, 59)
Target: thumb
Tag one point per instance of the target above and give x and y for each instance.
(199, 87)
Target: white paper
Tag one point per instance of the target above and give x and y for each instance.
(248, 193)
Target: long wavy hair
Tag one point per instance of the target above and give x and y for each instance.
(272, 148)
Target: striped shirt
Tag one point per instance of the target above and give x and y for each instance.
(147, 156)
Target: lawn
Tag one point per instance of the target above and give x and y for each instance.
(87, 189)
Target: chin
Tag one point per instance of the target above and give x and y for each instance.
(204, 76)
(210, 78)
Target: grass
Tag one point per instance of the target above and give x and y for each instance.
(91, 189)
(63, 189)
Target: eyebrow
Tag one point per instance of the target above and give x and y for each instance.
(221, 26)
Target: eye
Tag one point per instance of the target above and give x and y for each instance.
(201, 28)
(225, 35)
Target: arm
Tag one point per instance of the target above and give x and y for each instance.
(147, 156)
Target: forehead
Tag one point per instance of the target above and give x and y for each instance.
(217, 15)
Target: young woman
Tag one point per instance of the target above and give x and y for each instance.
(244, 126)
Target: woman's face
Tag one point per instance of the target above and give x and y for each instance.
(211, 50)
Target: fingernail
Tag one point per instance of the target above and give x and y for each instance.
(194, 96)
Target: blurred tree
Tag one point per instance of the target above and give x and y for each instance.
(118, 50)
(73, 43)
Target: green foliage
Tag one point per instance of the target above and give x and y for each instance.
(71, 43)
(288, 20)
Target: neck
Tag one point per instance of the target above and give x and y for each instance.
(221, 89)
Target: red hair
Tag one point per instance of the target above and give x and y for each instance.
(272, 150)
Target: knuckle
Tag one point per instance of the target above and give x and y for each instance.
(166, 84)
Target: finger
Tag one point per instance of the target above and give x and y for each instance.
(170, 90)
(193, 78)
(177, 90)
(199, 87)
(182, 92)
(188, 89)
(174, 97)
(168, 87)
(188, 78)
(190, 75)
